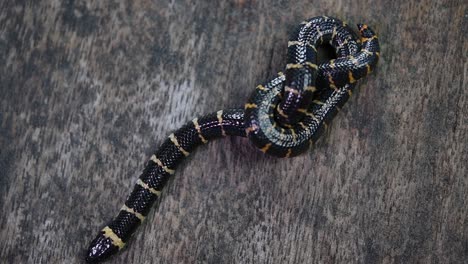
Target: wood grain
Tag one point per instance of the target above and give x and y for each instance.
(89, 89)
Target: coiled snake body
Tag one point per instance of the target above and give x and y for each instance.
(282, 118)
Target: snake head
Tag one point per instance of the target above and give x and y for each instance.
(365, 31)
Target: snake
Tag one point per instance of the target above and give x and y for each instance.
(283, 117)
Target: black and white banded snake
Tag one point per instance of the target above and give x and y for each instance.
(282, 118)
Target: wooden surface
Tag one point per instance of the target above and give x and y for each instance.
(89, 90)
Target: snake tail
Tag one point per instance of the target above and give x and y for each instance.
(158, 170)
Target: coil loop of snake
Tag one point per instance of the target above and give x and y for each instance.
(282, 118)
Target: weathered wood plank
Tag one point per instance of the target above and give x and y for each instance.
(89, 90)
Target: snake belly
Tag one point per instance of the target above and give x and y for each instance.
(335, 82)
(259, 119)
(301, 68)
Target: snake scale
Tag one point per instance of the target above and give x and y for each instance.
(282, 118)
